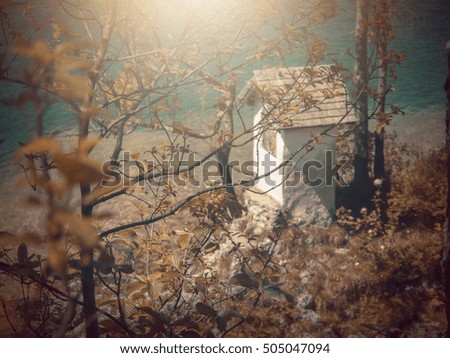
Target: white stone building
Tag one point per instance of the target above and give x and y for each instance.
(301, 108)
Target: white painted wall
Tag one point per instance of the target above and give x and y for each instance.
(306, 204)
(273, 182)
(303, 199)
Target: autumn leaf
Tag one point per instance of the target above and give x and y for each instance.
(159, 317)
(38, 50)
(169, 275)
(125, 268)
(316, 138)
(200, 284)
(57, 257)
(211, 247)
(71, 87)
(106, 302)
(87, 144)
(205, 309)
(221, 323)
(79, 227)
(244, 280)
(106, 261)
(232, 314)
(185, 321)
(135, 156)
(135, 287)
(380, 126)
(183, 238)
(79, 169)
(274, 291)
(39, 145)
(109, 326)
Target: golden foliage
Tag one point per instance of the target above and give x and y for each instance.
(79, 169)
(218, 206)
(38, 146)
(80, 227)
(39, 51)
(419, 193)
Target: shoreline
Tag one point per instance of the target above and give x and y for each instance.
(426, 130)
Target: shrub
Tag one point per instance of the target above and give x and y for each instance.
(418, 194)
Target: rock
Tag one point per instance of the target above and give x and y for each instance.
(306, 301)
(311, 316)
(262, 213)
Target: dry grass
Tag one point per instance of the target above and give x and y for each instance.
(356, 286)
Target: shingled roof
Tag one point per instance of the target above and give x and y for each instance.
(303, 96)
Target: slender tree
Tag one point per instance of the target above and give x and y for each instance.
(86, 255)
(361, 149)
(382, 32)
(228, 129)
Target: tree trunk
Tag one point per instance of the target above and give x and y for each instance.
(382, 43)
(446, 258)
(224, 154)
(381, 93)
(361, 150)
(119, 142)
(86, 255)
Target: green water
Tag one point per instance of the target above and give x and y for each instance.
(422, 30)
